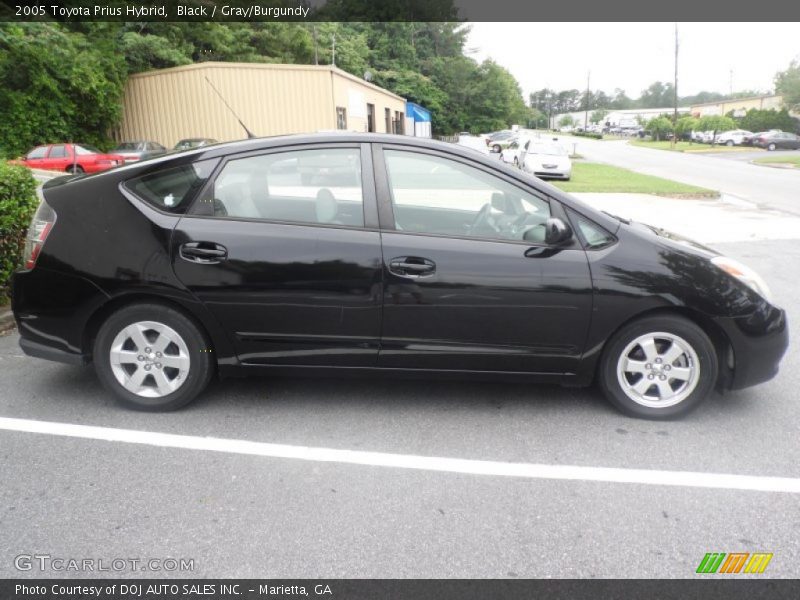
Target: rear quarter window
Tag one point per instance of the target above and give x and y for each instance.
(172, 189)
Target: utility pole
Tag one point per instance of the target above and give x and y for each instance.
(675, 90)
(316, 53)
(333, 50)
(586, 114)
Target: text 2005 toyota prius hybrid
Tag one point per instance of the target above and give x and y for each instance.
(369, 253)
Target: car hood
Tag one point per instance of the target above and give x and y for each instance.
(674, 239)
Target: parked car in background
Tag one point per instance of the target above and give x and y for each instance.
(733, 138)
(510, 154)
(777, 140)
(498, 146)
(221, 262)
(749, 140)
(493, 140)
(141, 150)
(190, 143)
(71, 158)
(545, 159)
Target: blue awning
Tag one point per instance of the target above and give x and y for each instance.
(418, 113)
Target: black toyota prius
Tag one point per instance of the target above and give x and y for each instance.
(364, 253)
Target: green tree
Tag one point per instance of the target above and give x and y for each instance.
(659, 127)
(684, 127)
(787, 84)
(566, 121)
(763, 120)
(598, 116)
(658, 95)
(715, 123)
(56, 84)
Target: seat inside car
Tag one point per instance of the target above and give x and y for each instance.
(326, 207)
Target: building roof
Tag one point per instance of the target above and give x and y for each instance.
(731, 100)
(266, 67)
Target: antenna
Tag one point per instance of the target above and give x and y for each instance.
(249, 133)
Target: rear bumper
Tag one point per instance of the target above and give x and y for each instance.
(759, 343)
(52, 309)
(38, 350)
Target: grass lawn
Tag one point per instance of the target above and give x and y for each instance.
(691, 148)
(783, 160)
(595, 177)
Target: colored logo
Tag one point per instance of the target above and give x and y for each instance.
(735, 562)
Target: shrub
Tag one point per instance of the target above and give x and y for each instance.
(588, 134)
(18, 202)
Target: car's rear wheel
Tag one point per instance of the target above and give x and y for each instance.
(75, 169)
(152, 357)
(496, 148)
(729, 143)
(771, 147)
(658, 367)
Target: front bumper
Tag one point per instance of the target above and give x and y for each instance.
(759, 343)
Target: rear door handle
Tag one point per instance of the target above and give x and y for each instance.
(412, 266)
(206, 253)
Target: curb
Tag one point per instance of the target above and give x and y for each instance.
(6, 320)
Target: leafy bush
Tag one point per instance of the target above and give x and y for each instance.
(588, 134)
(763, 120)
(659, 128)
(18, 202)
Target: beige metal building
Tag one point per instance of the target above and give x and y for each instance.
(740, 106)
(172, 104)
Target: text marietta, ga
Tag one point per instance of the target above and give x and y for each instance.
(142, 590)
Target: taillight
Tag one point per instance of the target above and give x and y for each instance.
(40, 228)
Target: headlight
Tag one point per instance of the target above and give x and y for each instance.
(744, 274)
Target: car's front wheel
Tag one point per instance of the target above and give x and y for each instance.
(152, 357)
(771, 147)
(658, 367)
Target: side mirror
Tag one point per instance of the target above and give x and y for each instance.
(556, 232)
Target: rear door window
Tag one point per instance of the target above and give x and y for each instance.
(320, 186)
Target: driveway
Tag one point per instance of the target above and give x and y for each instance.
(772, 188)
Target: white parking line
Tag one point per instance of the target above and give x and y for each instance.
(409, 461)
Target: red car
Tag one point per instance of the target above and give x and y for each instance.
(72, 158)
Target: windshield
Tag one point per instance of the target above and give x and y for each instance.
(548, 149)
(84, 149)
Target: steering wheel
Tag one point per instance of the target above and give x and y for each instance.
(482, 219)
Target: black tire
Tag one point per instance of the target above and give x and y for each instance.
(729, 143)
(200, 368)
(75, 169)
(496, 148)
(771, 147)
(680, 327)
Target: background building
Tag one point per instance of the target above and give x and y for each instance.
(172, 104)
(740, 106)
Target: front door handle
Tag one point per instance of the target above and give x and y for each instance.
(412, 266)
(206, 253)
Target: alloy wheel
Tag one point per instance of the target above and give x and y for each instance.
(658, 370)
(149, 359)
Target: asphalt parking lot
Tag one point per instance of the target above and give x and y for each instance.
(238, 514)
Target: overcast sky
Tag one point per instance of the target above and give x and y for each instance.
(631, 56)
